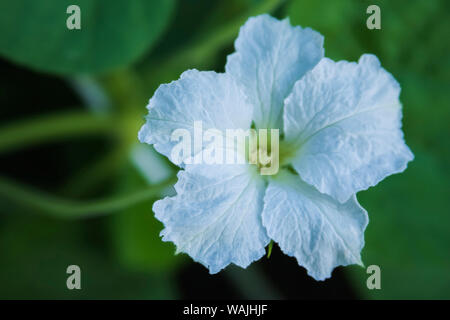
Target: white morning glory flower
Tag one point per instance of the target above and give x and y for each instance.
(340, 128)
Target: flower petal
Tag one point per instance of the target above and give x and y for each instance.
(345, 118)
(318, 231)
(216, 215)
(270, 57)
(213, 98)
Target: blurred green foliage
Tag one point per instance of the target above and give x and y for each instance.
(135, 233)
(121, 254)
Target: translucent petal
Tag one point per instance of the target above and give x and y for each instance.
(213, 98)
(216, 215)
(317, 230)
(270, 57)
(345, 120)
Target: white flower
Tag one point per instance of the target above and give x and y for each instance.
(341, 133)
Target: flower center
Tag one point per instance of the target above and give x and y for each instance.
(268, 152)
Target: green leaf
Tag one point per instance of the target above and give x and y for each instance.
(112, 34)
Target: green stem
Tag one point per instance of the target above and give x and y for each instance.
(64, 208)
(52, 128)
(124, 88)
